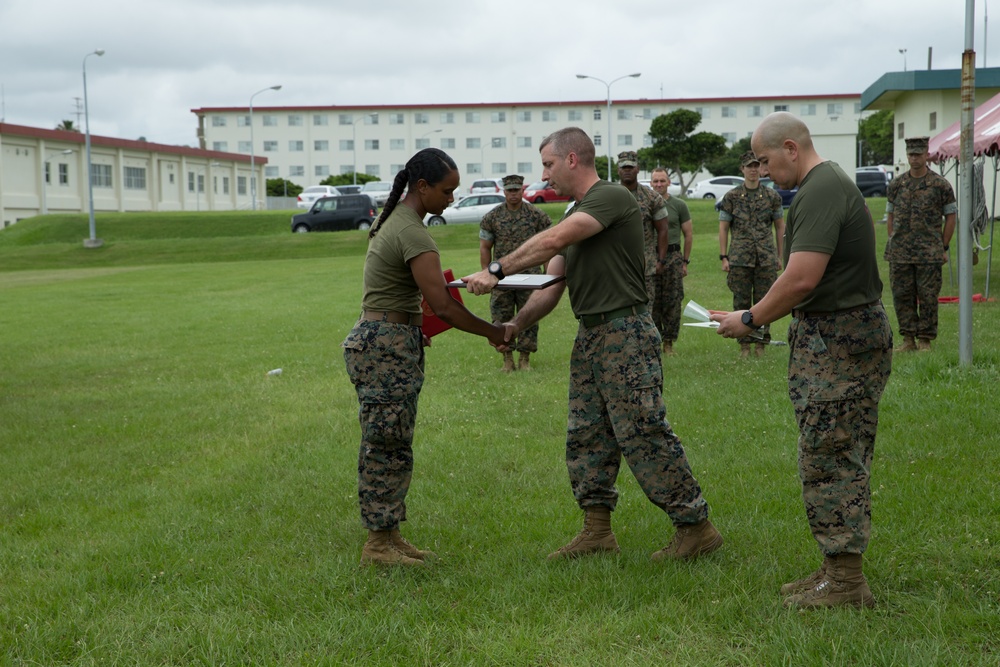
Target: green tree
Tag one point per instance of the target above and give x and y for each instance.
(601, 164)
(677, 147)
(728, 164)
(348, 179)
(875, 138)
(68, 126)
(280, 187)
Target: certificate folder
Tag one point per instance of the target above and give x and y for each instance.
(433, 324)
(520, 281)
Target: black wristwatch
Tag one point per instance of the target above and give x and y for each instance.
(722, 257)
(747, 319)
(496, 270)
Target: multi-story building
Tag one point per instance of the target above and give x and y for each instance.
(307, 144)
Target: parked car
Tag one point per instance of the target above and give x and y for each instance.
(331, 214)
(379, 191)
(470, 209)
(786, 195)
(879, 168)
(348, 189)
(871, 183)
(485, 185)
(309, 196)
(714, 188)
(539, 192)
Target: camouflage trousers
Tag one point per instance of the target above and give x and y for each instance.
(669, 295)
(915, 291)
(504, 304)
(616, 409)
(651, 280)
(838, 368)
(385, 362)
(749, 284)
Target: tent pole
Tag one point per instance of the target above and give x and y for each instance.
(965, 205)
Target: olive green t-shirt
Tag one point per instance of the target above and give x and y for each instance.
(607, 271)
(388, 281)
(829, 215)
(678, 214)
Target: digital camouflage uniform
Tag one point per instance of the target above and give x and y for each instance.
(670, 281)
(915, 250)
(653, 208)
(616, 379)
(508, 230)
(753, 256)
(840, 359)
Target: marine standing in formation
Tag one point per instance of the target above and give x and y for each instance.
(654, 217)
(673, 263)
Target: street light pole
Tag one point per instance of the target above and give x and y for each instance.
(903, 52)
(608, 85)
(253, 173)
(45, 184)
(93, 241)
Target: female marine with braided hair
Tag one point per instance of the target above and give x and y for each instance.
(384, 351)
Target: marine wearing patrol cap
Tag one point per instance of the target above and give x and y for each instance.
(513, 182)
(628, 159)
(917, 145)
(748, 158)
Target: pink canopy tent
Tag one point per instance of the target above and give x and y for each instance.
(986, 139)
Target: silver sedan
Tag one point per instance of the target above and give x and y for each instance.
(470, 209)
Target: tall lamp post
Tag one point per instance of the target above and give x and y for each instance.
(93, 241)
(354, 142)
(253, 172)
(608, 84)
(45, 183)
(903, 53)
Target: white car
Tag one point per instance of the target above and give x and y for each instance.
(314, 192)
(378, 191)
(470, 209)
(486, 185)
(714, 188)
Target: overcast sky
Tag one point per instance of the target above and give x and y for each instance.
(166, 57)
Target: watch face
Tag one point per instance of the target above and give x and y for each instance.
(747, 319)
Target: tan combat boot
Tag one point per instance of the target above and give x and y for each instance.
(759, 350)
(595, 537)
(379, 550)
(508, 362)
(744, 350)
(668, 348)
(843, 585)
(690, 541)
(923, 344)
(523, 361)
(408, 549)
(908, 345)
(803, 585)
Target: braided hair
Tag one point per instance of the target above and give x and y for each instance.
(429, 164)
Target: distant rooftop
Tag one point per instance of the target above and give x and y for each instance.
(883, 93)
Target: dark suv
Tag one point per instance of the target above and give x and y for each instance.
(331, 214)
(871, 183)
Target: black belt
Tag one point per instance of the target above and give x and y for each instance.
(674, 247)
(600, 318)
(801, 314)
(393, 317)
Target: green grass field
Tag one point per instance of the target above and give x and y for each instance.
(165, 502)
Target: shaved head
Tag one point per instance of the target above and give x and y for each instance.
(779, 127)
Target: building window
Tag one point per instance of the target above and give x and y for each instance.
(524, 142)
(397, 144)
(472, 117)
(48, 173)
(371, 119)
(346, 144)
(201, 183)
(647, 141)
(190, 181)
(346, 168)
(396, 168)
(447, 118)
(371, 144)
(473, 142)
(835, 109)
(294, 120)
(523, 116)
(270, 120)
(244, 147)
(243, 121)
(730, 137)
(320, 119)
(781, 107)
(321, 145)
(372, 170)
(171, 179)
(225, 185)
(63, 174)
(754, 111)
(345, 119)
(296, 170)
(221, 146)
(624, 114)
(321, 170)
(473, 168)
(574, 115)
(597, 114)
(241, 185)
(900, 133)
(524, 168)
(270, 146)
(218, 121)
(647, 113)
(624, 139)
(550, 116)
(421, 118)
(807, 110)
(597, 140)
(499, 167)
(447, 143)
(100, 175)
(498, 142)
(498, 117)
(296, 145)
(271, 172)
(396, 119)
(704, 112)
(933, 120)
(135, 178)
(857, 108)
(728, 112)
(422, 143)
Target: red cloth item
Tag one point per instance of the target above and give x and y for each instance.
(433, 324)
(976, 298)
